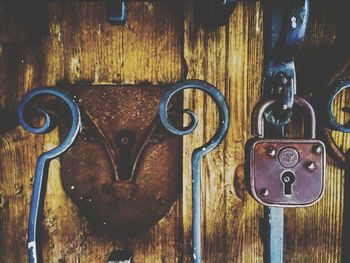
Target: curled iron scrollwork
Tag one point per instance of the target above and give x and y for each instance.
(198, 153)
(41, 172)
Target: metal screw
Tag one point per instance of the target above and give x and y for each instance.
(271, 152)
(317, 149)
(264, 192)
(310, 166)
(124, 140)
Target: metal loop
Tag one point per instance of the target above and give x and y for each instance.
(333, 124)
(260, 108)
(198, 153)
(285, 32)
(40, 179)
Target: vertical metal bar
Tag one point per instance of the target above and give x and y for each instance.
(285, 27)
(274, 216)
(275, 228)
(196, 207)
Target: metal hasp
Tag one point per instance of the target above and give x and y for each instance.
(117, 12)
(41, 172)
(285, 27)
(285, 24)
(214, 13)
(198, 153)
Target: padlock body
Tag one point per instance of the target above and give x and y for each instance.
(273, 163)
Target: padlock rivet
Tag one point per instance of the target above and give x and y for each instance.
(317, 149)
(310, 166)
(271, 152)
(264, 192)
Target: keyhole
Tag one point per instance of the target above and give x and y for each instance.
(288, 179)
(125, 140)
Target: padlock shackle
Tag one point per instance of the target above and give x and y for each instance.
(261, 106)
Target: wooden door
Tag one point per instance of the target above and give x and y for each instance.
(161, 43)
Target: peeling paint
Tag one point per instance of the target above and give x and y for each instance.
(55, 30)
(75, 66)
(257, 18)
(32, 249)
(97, 73)
(294, 21)
(150, 8)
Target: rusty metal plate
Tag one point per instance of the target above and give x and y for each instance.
(271, 159)
(124, 170)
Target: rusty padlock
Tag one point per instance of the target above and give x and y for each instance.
(286, 172)
(124, 170)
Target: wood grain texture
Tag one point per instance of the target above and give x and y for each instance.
(314, 234)
(230, 58)
(160, 44)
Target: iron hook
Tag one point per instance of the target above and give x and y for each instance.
(198, 153)
(41, 172)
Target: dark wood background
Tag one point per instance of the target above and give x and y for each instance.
(162, 43)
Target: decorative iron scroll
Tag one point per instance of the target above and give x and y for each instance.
(198, 153)
(41, 172)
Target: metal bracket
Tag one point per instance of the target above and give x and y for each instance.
(214, 13)
(285, 27)
(41, 172)
(117, 12)
(198, 153)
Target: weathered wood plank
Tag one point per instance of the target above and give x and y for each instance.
(230, 58)
(314, 234)
(153, 47)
